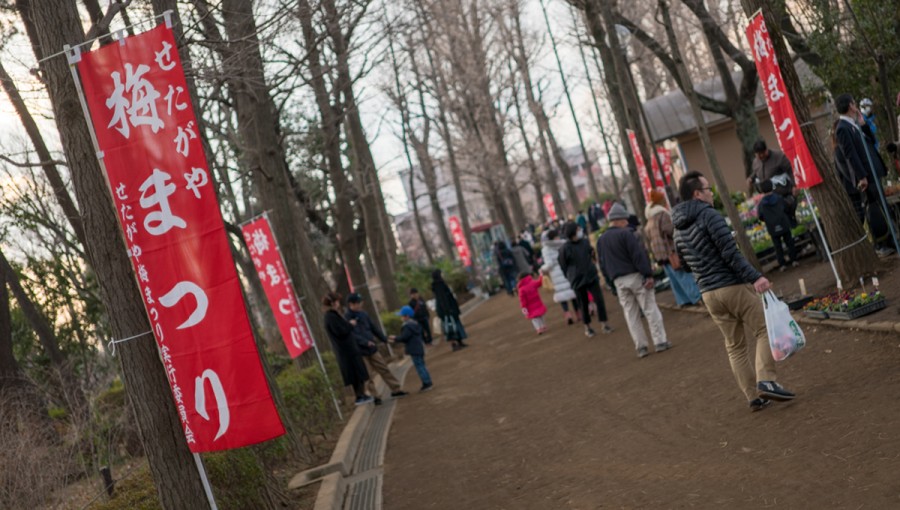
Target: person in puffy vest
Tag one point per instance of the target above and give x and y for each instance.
(727, 281)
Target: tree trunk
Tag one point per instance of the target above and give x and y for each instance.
(724, 194)
(543, 123)
(532, 166)
(369, 187)
(592, 181)
(49, 28)
(263, 154)
(598, 33)
(837, 215)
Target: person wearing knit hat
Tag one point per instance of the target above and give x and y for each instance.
(660, 231)
(578, 262)
(624, 262)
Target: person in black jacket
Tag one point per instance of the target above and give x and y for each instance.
(705, 244)
(411, 336)
(422, 316)
(448, 311)
(346, 348)
(856, 144)
(624, 261)
(578, 262)
(367, 334)
(773, 211)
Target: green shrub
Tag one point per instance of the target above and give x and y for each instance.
(237, 478)
(135, 492)
(409, 275)
(392, 323)
(307, 398)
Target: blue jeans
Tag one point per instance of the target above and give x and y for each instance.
(683, 286)
(419, 363)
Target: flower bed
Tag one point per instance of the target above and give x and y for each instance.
(845, 305)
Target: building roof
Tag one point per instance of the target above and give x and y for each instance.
(669, 115)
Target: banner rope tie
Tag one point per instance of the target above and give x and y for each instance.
(861, 239)
(111, 345)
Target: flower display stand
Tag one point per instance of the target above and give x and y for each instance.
(857, 312)
(816, 314)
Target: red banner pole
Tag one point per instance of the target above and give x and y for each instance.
(73, 56)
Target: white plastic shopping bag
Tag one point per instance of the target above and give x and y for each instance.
(785, 336)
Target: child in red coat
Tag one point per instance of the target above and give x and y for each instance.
(530, 299)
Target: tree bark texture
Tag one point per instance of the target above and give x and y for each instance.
(50, 27)
(598, 33)
(836, 213)
(263, 155)
(371, 198)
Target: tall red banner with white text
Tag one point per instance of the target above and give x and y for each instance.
(787, 130)
(462, 246)
(277, 285)
(646, 185)
(165, 199)
(551, 208)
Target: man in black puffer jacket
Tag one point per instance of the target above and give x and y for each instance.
(705, 244)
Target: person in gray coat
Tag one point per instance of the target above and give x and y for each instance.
(624, 261)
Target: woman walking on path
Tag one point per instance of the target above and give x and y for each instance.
(579, 263)
(346, 350)
(448, 311)
(562, 289)
(661, 232)
(530, 300)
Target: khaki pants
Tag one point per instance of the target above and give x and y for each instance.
(376, 363)
(738, 312)
(634, 298)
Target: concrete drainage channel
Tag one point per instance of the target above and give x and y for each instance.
(353, 477)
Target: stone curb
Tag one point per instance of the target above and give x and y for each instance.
(331, 492)
(856, 324)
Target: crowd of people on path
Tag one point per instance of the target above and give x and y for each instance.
(361, 346)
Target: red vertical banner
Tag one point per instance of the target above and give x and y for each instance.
(790, 138)
(279, 289)
(646, 185)
(165, 199)
(551, 208)
(666, 159)
(462, 245)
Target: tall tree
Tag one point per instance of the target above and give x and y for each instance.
(263, 154)
(55, 24)
(378, 232)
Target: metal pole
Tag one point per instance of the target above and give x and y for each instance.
(822, 236)
(337, 406)
(206, 488)
(73, 55)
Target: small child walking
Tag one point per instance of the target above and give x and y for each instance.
(411, 336)
(530, 299)
(772, 209)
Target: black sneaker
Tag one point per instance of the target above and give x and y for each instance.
(426, 387)
(570, 321)
(363, 400)
(399, 394)
(377, 401)
(665, 346)
(758, 404)
(774, 391)
(643, 352)
(588, 332)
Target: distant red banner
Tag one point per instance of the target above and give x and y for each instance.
(551, 209)
(787, 130)
(277, 284)
(666, 159)
(462, 245)
(646, 185)
(165, 199)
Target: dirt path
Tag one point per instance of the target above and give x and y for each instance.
(561, 421)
